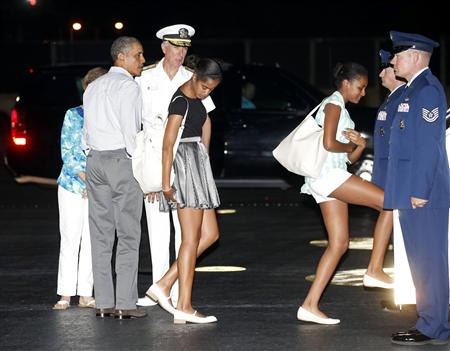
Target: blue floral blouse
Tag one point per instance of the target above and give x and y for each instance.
(74, 159)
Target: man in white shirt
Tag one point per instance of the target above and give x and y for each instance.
(158, 83)
(112, 118)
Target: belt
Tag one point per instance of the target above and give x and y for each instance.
(191, 140)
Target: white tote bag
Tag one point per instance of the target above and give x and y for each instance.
(302, 151)
(147, 157)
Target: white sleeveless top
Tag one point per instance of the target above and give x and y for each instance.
(334, 159)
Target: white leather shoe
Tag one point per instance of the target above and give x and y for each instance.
(180, 317)
(370, 282)
(156, 294)
(306, 316)
(145, 302)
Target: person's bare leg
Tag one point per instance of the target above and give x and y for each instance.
(381, 238)
(357, 191)
(335, 216)
(191, 223)
(209, 235)
(360, 192)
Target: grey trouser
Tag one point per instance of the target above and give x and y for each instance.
(115, 205)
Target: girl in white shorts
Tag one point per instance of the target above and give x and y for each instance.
(335, 187)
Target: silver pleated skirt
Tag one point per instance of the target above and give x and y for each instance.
(194, 181)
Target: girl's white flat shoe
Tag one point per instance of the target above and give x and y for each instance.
(306, 316)
(180, 317)
(371, 282)
(157, 295)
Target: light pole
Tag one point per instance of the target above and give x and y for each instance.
(75, 27)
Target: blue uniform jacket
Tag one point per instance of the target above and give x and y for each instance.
(382, 133)
(417, 164)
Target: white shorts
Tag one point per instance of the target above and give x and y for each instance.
(326, 184)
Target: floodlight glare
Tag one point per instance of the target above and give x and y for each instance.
(76, 26)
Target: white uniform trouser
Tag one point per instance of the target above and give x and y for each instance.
(75, 260)
(158, 224)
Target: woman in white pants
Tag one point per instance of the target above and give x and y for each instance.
(75, 260)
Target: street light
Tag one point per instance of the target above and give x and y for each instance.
(76, 26)
(118, 25)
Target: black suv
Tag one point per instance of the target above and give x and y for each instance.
(257, 106)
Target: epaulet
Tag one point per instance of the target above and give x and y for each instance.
(153, 65)
(189, 69)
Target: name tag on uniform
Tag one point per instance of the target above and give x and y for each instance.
(403, 107)
(382, 116)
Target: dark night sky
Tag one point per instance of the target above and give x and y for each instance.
(50, 19)
(27, 33)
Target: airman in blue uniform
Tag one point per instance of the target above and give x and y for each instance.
(385, 115)
(417, 184)
(375, 277)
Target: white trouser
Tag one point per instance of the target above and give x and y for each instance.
(158, 224)
(75, 260)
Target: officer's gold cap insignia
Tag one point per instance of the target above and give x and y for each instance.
(183, 33)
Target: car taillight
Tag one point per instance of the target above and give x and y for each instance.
(18, 129)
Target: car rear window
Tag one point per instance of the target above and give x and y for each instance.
(53, 89)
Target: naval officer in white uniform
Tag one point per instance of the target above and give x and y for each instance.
(158, 83)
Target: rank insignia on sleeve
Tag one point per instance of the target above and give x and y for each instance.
(430, 116)
(382, 116)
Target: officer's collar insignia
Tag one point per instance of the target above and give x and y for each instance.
(430, 116)
(402, 124)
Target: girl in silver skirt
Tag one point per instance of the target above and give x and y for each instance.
(194, 179)
(194, 192)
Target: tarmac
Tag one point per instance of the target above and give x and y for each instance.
(266, 231)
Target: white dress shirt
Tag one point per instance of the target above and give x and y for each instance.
(112, 111)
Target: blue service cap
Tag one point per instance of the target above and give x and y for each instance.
(404, 41)
(385, 57)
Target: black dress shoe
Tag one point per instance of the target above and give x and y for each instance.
(411, 330)
(416, 338)
(104, 312)
(130, 314)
